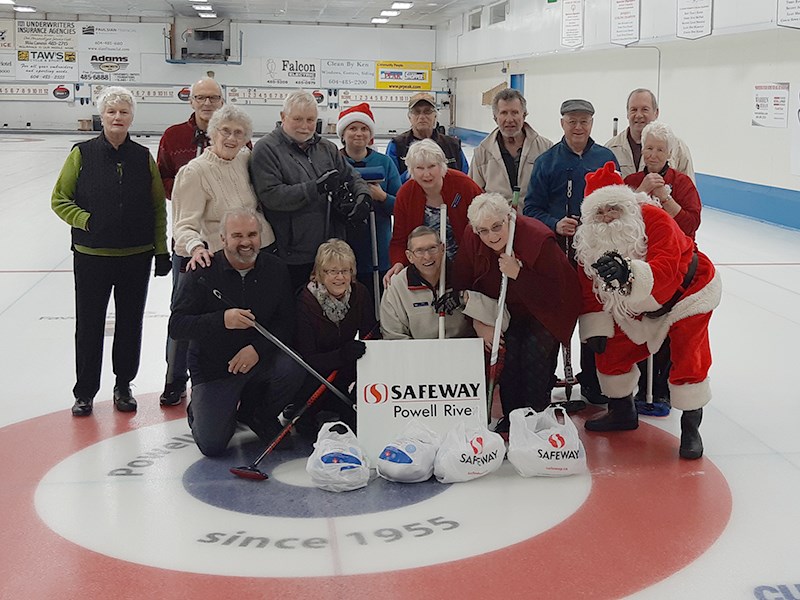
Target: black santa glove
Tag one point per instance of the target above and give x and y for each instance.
(352, 351)
(612, 267)
(163, 265)
(328, 182)
(449, 302)
(597, 344)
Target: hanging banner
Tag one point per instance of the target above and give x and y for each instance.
(789, 13)
(290, 72)
(46, 50)
(572, 23)
(6, 34)
(109, 52)
(348, 74)
(770, 105)
(694, 19)
(625, 21)
(7, 69)
(37, 92)
(391, 75)
(403, 380)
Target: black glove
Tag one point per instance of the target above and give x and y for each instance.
(163, 265)
(449, 302)
(597, 344)
(352, 351)
(611, 266)
(328, 182)
(360, 212)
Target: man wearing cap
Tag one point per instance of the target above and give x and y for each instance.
(422, 115)
(504, 160)
(180, 144)
(642, 108)
(307, 189)
(356, 129)
(555, 193)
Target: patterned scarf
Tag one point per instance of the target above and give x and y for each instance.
(334, 309)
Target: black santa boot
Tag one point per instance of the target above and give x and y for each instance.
(621, 416)
(691, 442)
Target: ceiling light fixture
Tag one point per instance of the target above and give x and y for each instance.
(207, 15)
(24, 9)
(379, 20)
(201, 7)
(402, 5)
(6, 1)
(390, 13)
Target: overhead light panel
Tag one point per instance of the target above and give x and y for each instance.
(6, 1)
(379, 20)
(402, 5)
(201, 7)
(207, 15)
(390, 13)
(24, 9)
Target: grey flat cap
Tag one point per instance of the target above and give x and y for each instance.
(576, 105)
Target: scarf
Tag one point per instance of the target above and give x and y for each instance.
(334, 309)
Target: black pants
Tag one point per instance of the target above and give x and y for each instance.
(95, 278)
(530, 361)
(588, 375)
(661, 366)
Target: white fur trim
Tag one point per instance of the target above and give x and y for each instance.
(653, 331)
(642, 284)
(354, 117)
(611, 194)
(619, 386)
(690, 396)
(595, 324)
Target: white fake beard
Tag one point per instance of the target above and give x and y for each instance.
(626, 236)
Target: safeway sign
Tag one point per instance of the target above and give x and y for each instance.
(439, 382)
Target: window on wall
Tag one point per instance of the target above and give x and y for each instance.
(475, 20)
(498, 12)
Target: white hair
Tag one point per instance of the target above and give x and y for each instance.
(230, 113)
(115, 95)
(297, 99)
(659, 131)
(485, 207)
(425, 152)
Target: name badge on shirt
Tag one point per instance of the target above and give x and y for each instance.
(418, 304)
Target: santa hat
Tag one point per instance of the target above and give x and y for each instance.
(360, 113)
(605, 187)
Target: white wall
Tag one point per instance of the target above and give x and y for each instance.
(705, 86)
(260, 40)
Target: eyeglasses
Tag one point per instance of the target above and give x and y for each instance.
(496, 228)
(337, 272)
(212, 99)
(236, 134)
(430, 250)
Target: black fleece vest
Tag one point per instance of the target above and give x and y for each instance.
(450, 145)
(115, 186)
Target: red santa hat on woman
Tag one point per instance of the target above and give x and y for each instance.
(360, 113)
(603, 188)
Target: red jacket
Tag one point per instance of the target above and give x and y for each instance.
(179, 144)
(546, 288)
(685, 194)
(458, 190)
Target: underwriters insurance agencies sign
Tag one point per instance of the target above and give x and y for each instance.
(77, 51)
(438, 382)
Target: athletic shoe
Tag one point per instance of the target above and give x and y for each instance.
(123, 400)
(82, 407)
(172, 395)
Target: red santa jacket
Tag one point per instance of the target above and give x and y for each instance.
(656, 279)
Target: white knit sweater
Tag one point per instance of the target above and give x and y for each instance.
(204, 190)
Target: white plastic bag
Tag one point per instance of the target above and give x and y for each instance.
(538, 444)
(338, 463)
(467, 453)
(409, 457)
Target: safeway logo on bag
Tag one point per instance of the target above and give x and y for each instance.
(557, 440)
(376, 393)
(476, 444)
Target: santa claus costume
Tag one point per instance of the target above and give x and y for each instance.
(642, 280)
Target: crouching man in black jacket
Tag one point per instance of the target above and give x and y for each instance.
(237, 375)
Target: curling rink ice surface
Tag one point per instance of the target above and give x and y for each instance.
(124, 506)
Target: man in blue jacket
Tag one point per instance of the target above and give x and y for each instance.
(555, 193)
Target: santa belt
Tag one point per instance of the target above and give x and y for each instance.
(687, 280)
